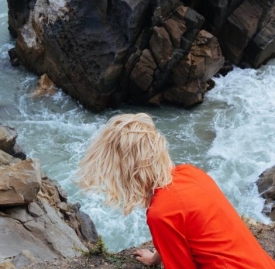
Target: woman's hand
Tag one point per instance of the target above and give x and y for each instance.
(147, 257)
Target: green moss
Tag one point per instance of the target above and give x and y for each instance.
(99, 248)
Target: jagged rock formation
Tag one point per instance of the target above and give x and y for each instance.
(107, 53)
(37, 223)
(249, 33)
(111, 52)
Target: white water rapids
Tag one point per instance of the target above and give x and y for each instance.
(231, 136)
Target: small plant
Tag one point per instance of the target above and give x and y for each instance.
(99, 248)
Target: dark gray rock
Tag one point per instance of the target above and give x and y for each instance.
(266, 187)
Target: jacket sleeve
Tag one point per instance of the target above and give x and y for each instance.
(169, 241)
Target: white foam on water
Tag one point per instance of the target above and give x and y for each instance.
(244, 145)
(118, 231)
(3, 15)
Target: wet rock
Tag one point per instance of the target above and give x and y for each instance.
(266, 183)
(266, 188)
(106, 54)
(226, 68)
(13, 57)
(18, 152)
(187, 96)
(76, 44)
(45, 86)
(18, 14)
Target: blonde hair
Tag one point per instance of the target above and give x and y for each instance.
(127, 161)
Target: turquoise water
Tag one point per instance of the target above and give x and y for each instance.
(231, 136)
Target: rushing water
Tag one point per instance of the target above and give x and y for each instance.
(231, 136)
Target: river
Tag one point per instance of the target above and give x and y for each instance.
(231, 136)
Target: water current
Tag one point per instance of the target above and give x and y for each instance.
(231, 136)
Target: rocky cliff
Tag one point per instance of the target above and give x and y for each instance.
(109, 52)
(37, 224)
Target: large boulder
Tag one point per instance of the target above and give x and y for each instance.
(19, 183)
(174, 60)
(37, 223)
(48, 228)
(80, 45)
(107, 53)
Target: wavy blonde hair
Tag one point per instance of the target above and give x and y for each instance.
(127, 161)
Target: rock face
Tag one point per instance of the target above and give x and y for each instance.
(19, 183)
(37, 224)
(249, 33)
(266, 187)
(104, 54)
(174, 60)
(111, 52)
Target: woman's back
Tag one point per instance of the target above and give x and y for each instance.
(194, 226)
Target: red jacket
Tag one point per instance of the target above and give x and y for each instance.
(194, 226)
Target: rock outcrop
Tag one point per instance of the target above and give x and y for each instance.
(266, 187)
(19, 183)
(248, 34)
(139, 52)
(37, 223)
(174, 60)
(8, 142)
(117, 51)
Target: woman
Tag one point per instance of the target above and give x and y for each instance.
(193, 225)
